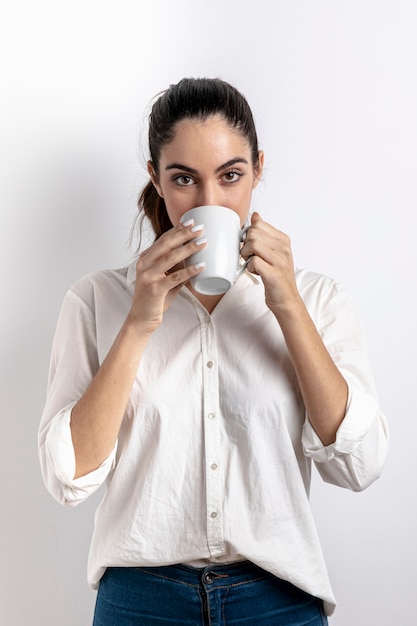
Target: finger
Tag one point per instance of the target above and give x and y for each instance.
(258, 226)
(172, 247)
(179, 277)
(256, 265)
(174, 237)
(155, 286)
(177, 257)
(264, 240)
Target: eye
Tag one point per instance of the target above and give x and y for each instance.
(232, 176)
(183, 180)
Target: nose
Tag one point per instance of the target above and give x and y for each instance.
(209, 194)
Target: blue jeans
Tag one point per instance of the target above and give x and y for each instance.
(228, 595)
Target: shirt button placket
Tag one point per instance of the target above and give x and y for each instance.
(212, 437)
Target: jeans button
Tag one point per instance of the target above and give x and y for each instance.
(208, 578)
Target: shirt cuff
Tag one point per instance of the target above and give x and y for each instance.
(61, 456)
(361, 411)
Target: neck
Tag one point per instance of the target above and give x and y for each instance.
(208, 302)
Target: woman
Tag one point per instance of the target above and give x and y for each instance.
(203, 413)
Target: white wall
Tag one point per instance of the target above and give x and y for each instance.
(333, 87)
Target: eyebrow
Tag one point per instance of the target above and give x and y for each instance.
(192, 170)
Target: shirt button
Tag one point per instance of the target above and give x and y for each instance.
(211, 416)
(213, 515)
(213, 466)
(209, 364)
(207, 319)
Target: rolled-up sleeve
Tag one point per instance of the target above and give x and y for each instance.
(60, 456)
(356, 458)
(74, 362)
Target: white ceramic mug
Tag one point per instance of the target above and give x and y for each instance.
(222, 252)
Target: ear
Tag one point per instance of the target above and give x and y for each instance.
(259, 168)
(154, 178)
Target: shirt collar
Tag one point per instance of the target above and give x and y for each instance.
(131, 272)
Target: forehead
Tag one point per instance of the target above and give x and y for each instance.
(213, 139)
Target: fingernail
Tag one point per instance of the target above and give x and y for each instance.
(200, 241)
(197, 266)
(196, 228)
(188, 222)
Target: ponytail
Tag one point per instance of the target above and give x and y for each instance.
(152, 207)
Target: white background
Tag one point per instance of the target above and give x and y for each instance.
(333, 87)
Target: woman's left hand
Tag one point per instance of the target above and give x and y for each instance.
(322, 386)
(270, 256)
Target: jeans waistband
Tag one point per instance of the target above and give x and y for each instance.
(213, 574)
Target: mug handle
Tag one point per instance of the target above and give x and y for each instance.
(242, 268)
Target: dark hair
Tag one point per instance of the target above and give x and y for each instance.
(199, 98)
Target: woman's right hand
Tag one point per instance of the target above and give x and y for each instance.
(160, 273)
(97, 416)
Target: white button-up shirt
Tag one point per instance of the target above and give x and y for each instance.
(213, 459)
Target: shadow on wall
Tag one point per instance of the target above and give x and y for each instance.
(67, 214)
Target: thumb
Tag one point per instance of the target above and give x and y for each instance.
(255, 217)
